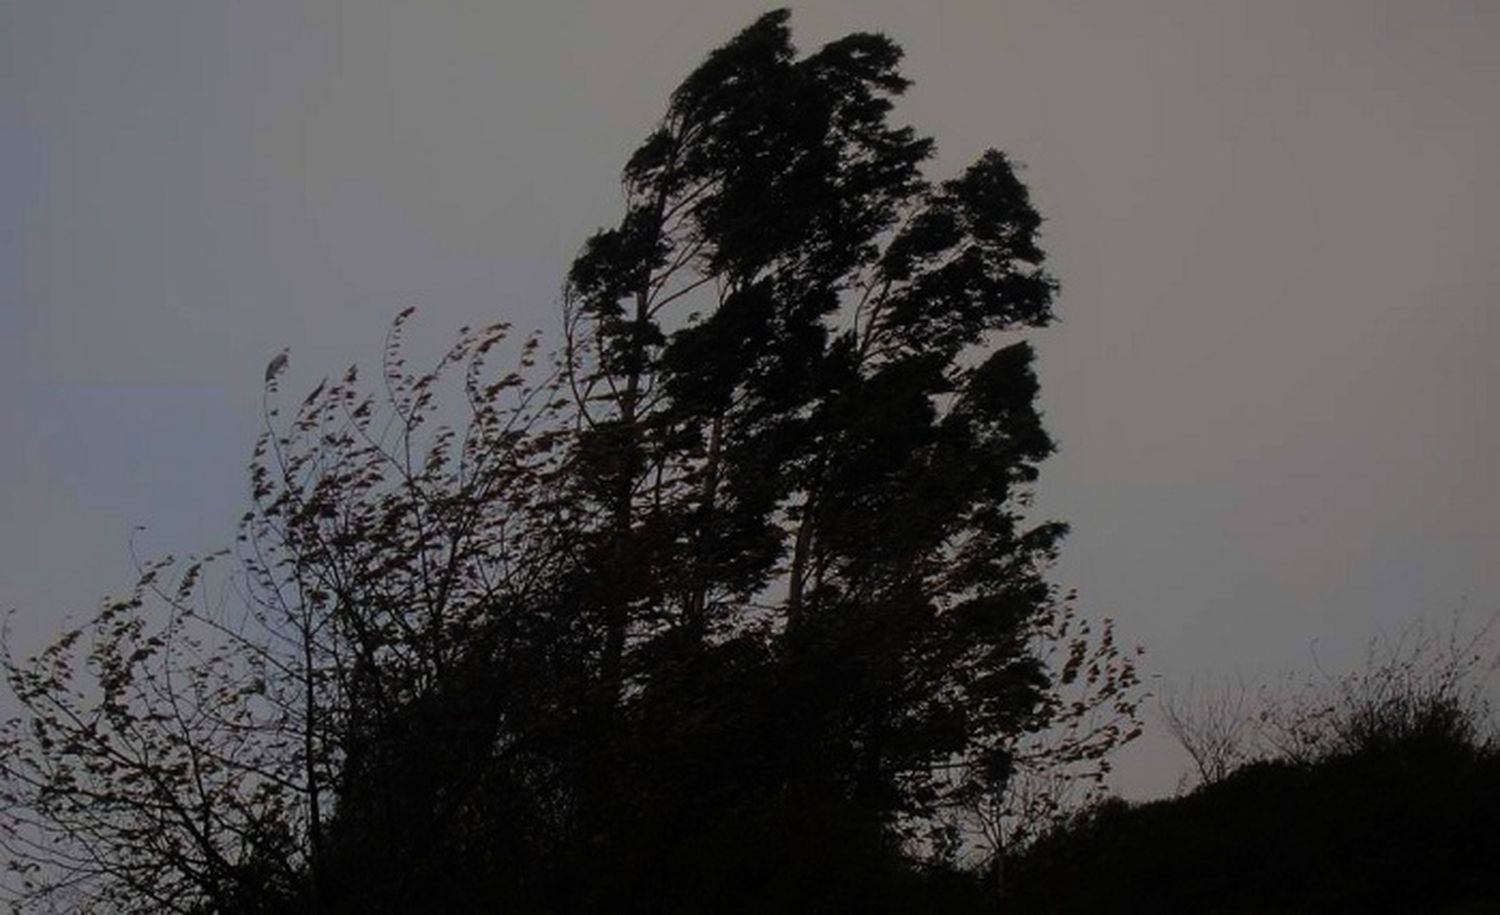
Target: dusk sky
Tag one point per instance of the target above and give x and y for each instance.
(1273, 382)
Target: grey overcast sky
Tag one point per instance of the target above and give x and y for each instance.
(1276, 223)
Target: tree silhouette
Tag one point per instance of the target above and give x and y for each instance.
(736, 608)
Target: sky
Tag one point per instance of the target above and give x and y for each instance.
(1273, 382)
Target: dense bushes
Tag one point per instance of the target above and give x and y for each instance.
(1374, 791)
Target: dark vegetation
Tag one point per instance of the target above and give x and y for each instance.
(1377, 791)
(1411, 828)
(729, 606)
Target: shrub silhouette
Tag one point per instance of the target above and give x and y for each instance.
(1389, 800)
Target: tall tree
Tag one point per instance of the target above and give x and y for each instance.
(805, 420)
(740, 604)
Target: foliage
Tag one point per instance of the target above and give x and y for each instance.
(739, 602)
(196, 752)
(1421, 683)
(1408, 827)
(1373, 790)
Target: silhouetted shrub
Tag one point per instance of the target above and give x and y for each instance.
(1387, 799)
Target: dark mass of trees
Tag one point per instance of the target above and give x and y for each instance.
(729, 606)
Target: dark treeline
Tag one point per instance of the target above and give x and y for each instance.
(730, 606)
(1404, 818)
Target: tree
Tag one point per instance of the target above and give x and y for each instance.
(183, 753)
(1213, 723)
(797, 418)
(738, 603)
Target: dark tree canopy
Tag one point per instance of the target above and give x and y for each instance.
(737, 608)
